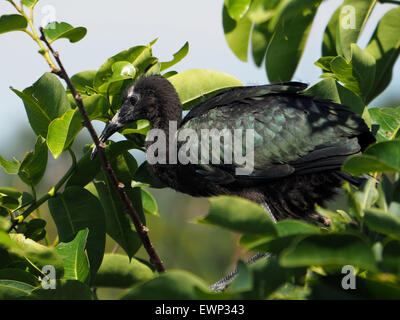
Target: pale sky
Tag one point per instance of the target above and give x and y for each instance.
(117, 25)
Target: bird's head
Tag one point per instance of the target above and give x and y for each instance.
(152, 98)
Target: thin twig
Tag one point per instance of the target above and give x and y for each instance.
(140, 228)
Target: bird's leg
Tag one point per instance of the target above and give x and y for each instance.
(222, 284)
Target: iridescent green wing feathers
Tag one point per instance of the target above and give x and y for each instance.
(293, 133)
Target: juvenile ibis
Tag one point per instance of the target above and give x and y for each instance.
(299, 143)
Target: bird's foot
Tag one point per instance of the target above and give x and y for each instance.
(324, 220)
(222, 284)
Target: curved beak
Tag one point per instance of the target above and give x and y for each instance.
(113, 126)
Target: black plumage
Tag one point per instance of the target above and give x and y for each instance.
(299, 146)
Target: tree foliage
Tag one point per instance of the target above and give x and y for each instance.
(307, 260)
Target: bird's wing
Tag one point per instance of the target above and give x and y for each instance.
(237, 94)
(293, 134)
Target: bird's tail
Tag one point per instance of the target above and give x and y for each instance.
(356, 181)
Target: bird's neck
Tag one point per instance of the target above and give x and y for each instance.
(166, 118)
(167, 121)
(169, 111)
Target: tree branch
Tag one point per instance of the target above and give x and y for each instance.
(119, 187)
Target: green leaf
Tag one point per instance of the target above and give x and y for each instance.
(141, 126)
(290, 291)
(244, 279)
(295, 227)
(287, 45)
(289, 9)
(145, 175)
(357, 74)
(173, 285)
(237, 8)
(118, 223)
(140, 57)
(34, 165)
(391, 256)
(352, 19)
(261, 11)
(329, 40)
(121, 70)
(388, 120)
(364, 69)
(344, 73)
(6, 242)
(237, 34)
(65, 290)
(12, 290)
(73, 255)
(388, 189)
(385, 48)
(267, 276)
(26, 199)
(35, 253)
(364, 163)
(260, 39)
(19, 275)
(366, 289)
(9, 198)
(330, 89)
(62, 30)
(34, 229)
(83, 80)
(76, 209)
(329, 250)
(87, 169)
(178, 56)
(125, 166)
(155, 69)
(29, 3)
(383, 222)
(169, 74)
(10, 167)
(325, 63)
(239, 215)
(45, 101)
(380, 157)
(195, 83)
(62, 131)
(288, 230)
(5, 224)
(12, 22)
(149, 203)
(96, 107)
(118, 271)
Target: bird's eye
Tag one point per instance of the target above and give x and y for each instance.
(133, 99)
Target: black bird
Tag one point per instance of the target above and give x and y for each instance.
(300, 143)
